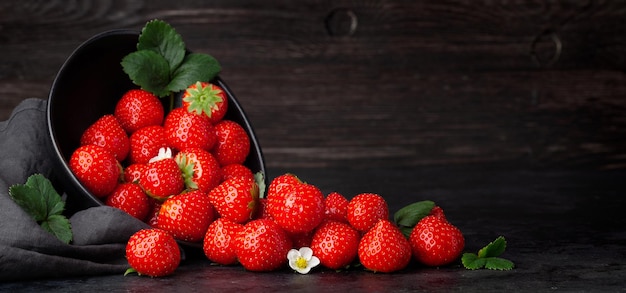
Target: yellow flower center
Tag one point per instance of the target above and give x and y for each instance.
(301, 262)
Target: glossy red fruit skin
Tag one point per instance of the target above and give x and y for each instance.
(153, 252)
(335, 244)
(233, 143)
(138, 108)
(206, 171)
(133, 172)
(365, 209)
(262, 246)
(186, 216)
(96, 168)
(236, 170)
(145, 144)
(109, 134)
(162, 179)
(219, 241)
(298, 208)
(130, 198)
(187, 130)
(206, 99)
(236, 199)
(436, 242)
(384, 248)
(336, 207)
(282, 181)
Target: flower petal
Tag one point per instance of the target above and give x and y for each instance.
(292, 255)
(293, 265)
(306, 252)
(313, 262)
(304, 271)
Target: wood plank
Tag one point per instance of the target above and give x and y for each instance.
(412, 83)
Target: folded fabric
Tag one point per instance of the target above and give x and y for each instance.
(26, 250)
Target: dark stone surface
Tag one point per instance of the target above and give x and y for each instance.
(565, 231)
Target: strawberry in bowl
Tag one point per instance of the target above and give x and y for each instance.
(105, 79)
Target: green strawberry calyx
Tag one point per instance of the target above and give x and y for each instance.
(187, 168)
(203, 99)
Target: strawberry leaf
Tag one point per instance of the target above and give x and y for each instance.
(406, 231)
(487, 257)
(159, 37)
(161, 64)
(58, 225)
(410, 215)
(148, 70)
(38, 198)
(471, 261)
(495, 248)
(498, 263)
(195, 67)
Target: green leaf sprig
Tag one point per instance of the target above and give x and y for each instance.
(407, 217)
(38, 198)
(488, 257)
(161, 64)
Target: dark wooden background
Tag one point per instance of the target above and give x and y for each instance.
(377, 83)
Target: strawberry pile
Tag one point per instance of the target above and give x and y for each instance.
(181, 170)
(183, 173)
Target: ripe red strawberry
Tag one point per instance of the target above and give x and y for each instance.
(187, 130)
(437, 211)
(384, 248)
(107, 133)
(236, 199)
(281, 182)
(162, 179)
(365, 209)
(133, 172)
(200, 169)
(152, 252)
(298, 208)
(145, 143)
(207, 99)
(233, 143)
(262, 246)
(236, 170)
(335, 244)
(96, 168)
(219, 241)
(336, 207)
(137, 109)
(186, 216)
(130, 198)
(436, 242)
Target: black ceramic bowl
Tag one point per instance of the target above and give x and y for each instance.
(87, 86)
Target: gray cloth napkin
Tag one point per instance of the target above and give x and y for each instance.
(28, 252)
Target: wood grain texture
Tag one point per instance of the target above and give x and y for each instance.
(377, 83)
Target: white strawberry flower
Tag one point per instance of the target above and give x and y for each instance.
(302, 260)
(164, 153)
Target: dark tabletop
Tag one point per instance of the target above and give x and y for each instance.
(565, 232)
